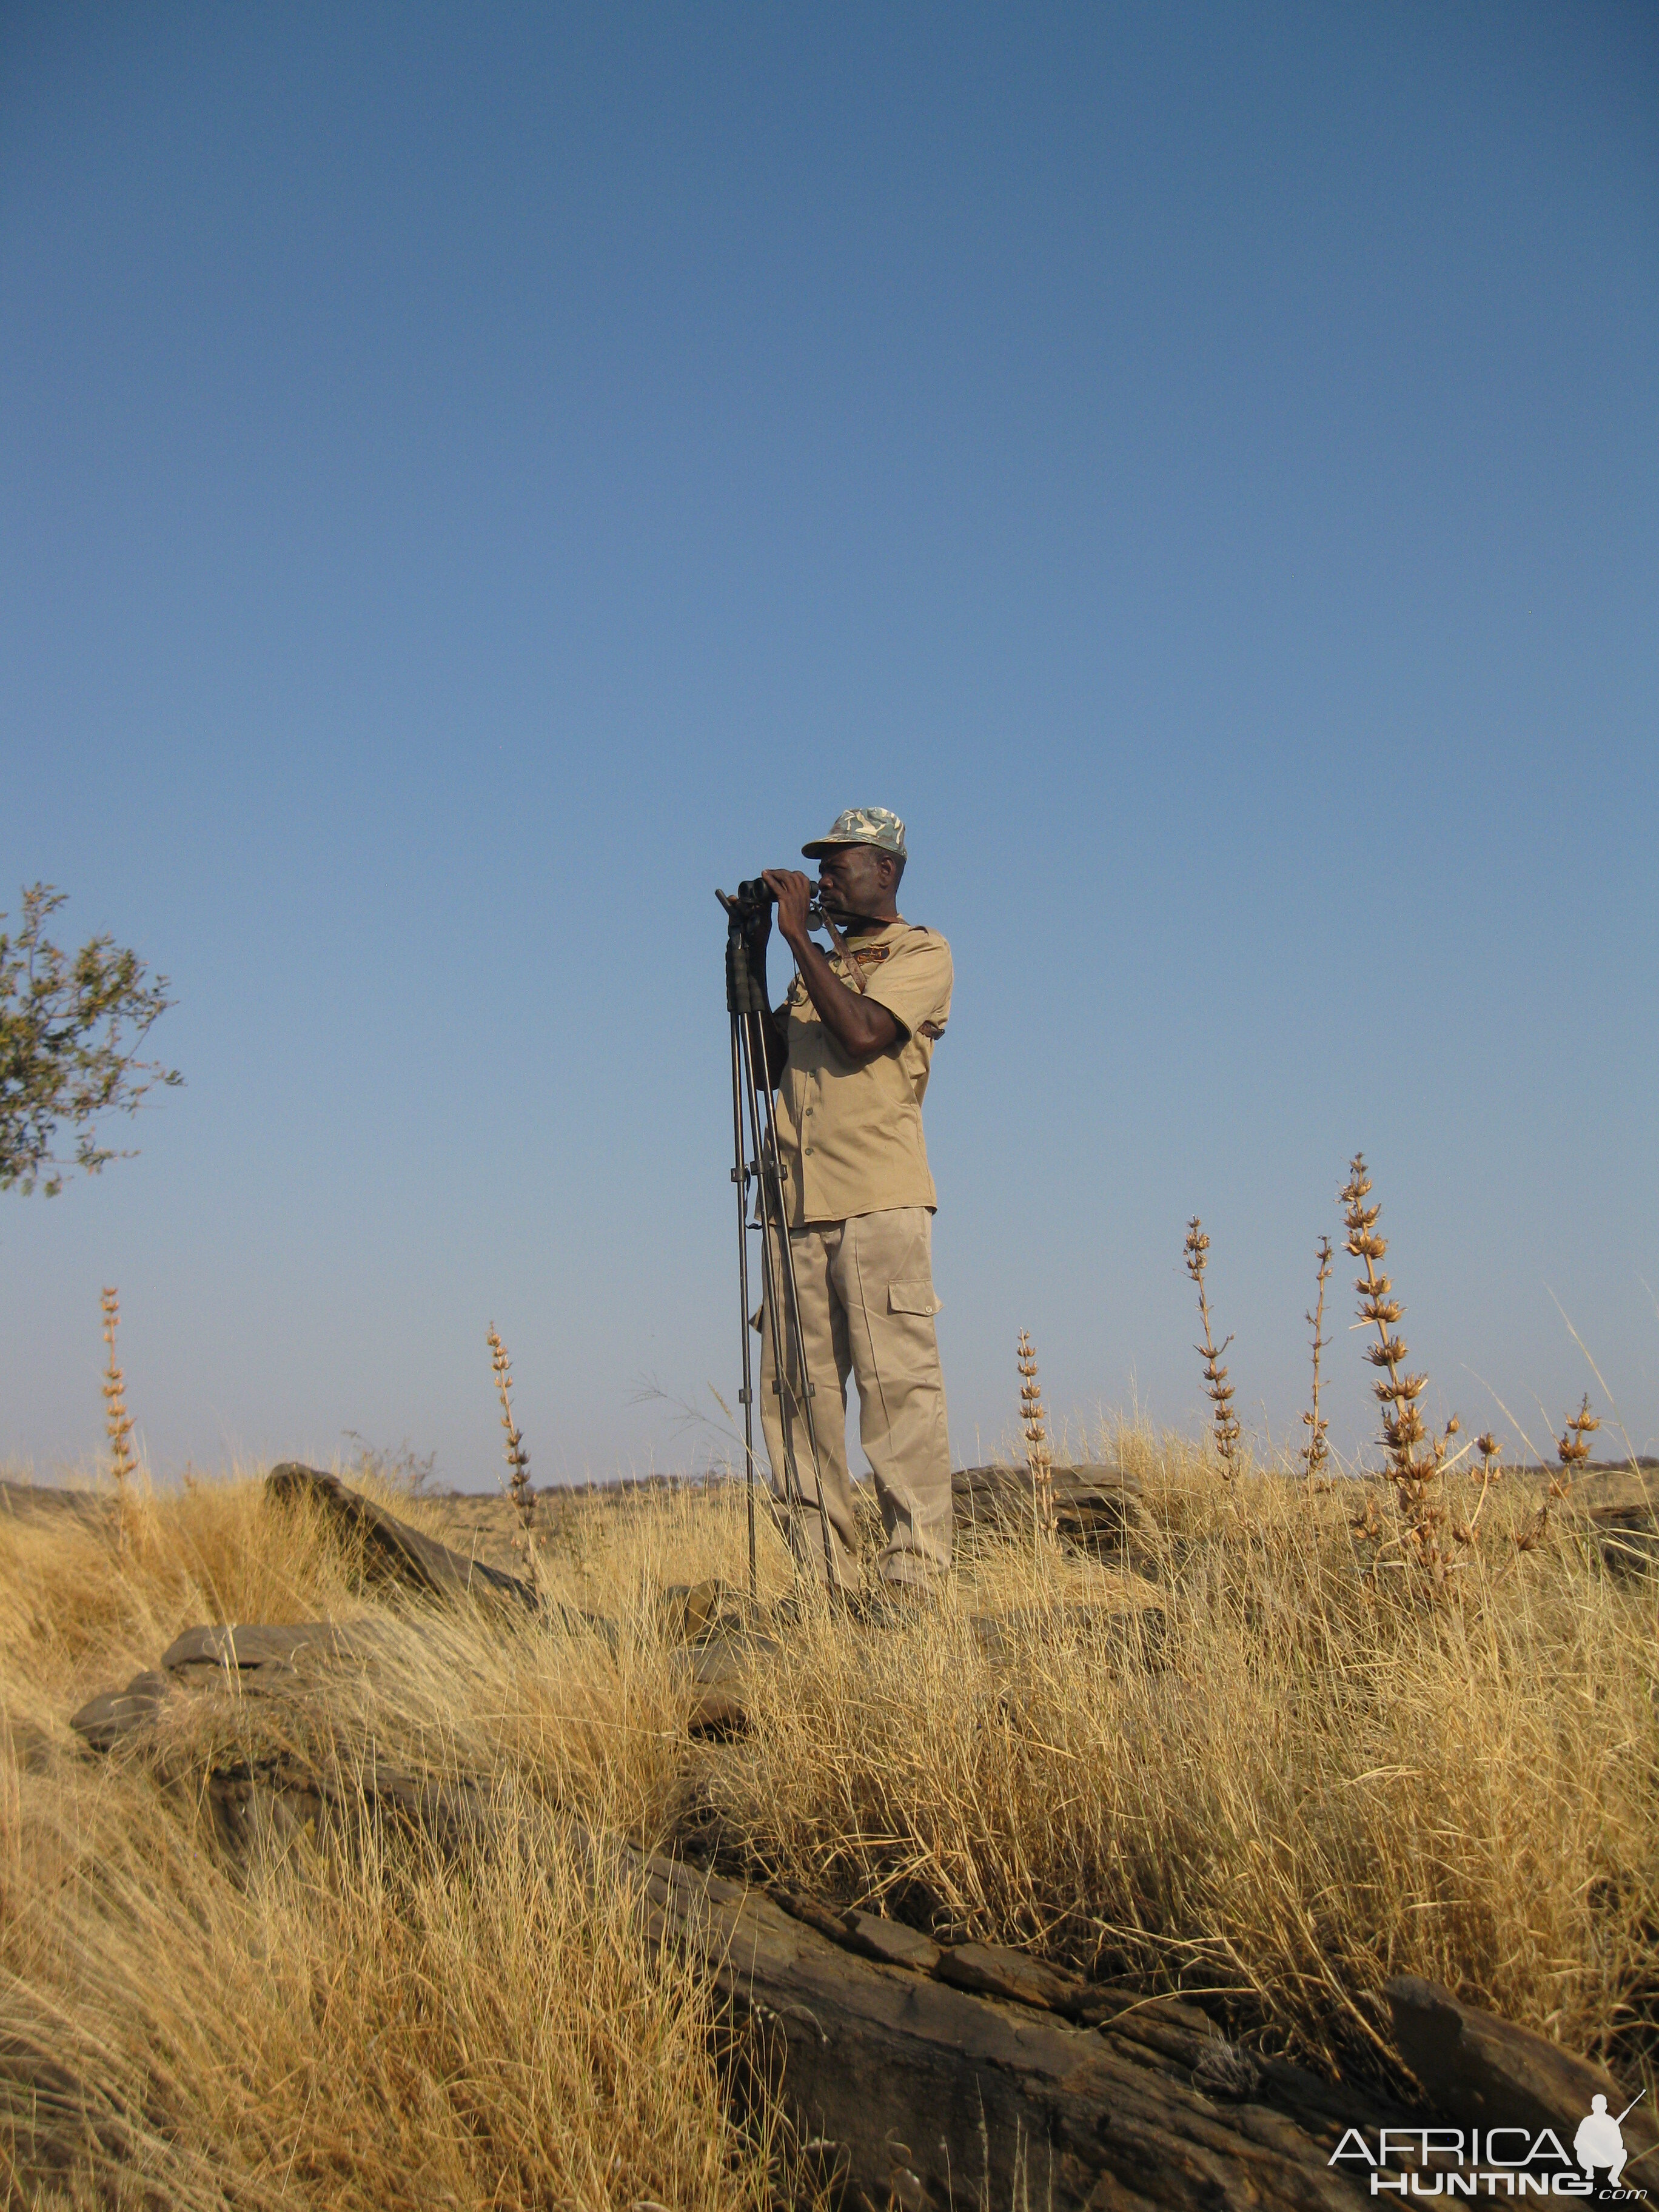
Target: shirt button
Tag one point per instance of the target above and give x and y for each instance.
(809, 1152)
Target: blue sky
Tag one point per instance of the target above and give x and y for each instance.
(474, 479)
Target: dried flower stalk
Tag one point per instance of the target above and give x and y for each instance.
(1571, 1450)
(118, 1422)
(1414, 1456)
(1491, 1467)
(1037, 1457)
(518, 1459)
(1218, 1389)
(1314, 1453)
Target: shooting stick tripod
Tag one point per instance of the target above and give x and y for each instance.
(755, 1146)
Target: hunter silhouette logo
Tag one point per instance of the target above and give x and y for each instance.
(1600, 2141)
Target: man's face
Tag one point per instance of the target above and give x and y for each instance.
(855, 879)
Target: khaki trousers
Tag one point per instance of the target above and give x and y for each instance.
(866, 1287)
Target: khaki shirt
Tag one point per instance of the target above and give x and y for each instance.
(849, 1133)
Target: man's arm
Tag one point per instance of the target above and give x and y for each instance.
(859, 1027)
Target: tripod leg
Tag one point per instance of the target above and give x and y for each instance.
(788, 1473)
(772, 1285)
(792, 1334)
(740, 1176)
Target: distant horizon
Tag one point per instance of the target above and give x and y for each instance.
(102, 1483)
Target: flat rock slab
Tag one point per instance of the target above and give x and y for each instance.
(912, 2092)
(392, 1549)
(998, 1969)
(250, 1650)
(253, 1660)
(891, 1941)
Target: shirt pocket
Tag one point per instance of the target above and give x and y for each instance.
(913, 1297)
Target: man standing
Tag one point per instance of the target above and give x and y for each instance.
(848, 1053)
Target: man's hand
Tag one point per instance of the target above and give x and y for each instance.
(858, 1025)
(794, 893)
(758, 932)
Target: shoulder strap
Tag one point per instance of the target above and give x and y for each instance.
(855, 975)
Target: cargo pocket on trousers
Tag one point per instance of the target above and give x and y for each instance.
(912, 1299)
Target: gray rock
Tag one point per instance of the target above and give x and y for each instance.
(1619, 1508)
(103, 1720)
(250, 1650)
(39, 1501)
(392, 1551)
(1096, 1508)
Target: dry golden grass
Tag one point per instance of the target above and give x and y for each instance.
(1311, 1782)
(1323, 1782)
(351, 2022)
(366, 2029)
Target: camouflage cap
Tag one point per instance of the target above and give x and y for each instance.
(860, 825)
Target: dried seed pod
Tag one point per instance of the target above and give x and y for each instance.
(1571, 1450)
